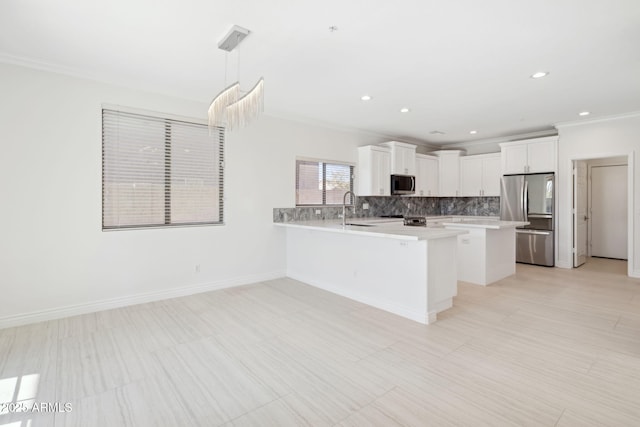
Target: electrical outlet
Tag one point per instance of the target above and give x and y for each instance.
(365, 206)
(318, 211)
(486, 205)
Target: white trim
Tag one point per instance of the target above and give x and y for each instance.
(107, 304)
(50, 67)
(497, 140)
(596, 120)
(151, 113)
(319, 160)
(632, 269)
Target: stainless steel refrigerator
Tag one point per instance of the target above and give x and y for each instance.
(530, 198)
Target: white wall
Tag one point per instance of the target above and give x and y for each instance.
(54, 258)
(595, 139)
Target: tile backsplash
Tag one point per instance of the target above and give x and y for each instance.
(396, 205)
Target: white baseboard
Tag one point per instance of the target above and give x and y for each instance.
(424, 318)
(107, 304)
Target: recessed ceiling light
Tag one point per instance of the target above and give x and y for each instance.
(365, 98)
(436, 132)
(404, 110)
(473, 132)
(539, 74)
(584, 113)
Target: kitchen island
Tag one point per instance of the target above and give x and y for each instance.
(488, 252)
(409, 271)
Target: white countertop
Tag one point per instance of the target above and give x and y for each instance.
(392, 228)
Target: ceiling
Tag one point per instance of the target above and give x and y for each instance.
(458, 65)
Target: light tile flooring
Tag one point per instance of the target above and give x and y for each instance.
(547, 347)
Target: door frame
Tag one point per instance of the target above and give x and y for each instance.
(630, 203)
(575, 212)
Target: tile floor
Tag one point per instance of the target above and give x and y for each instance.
(546, 347)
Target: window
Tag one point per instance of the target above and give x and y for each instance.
(322, 183)
(159, 172)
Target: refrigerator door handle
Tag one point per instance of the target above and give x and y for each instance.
(525, 199)
(527, 231)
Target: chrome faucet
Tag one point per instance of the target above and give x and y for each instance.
(354, 199)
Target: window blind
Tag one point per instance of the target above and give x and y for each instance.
(322, 183)
(159, 172)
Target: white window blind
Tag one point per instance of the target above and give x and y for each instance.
(322, 183)
(159, 172)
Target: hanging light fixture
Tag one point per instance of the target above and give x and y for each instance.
(231, 108)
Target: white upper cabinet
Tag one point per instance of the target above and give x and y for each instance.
(403, 157)
(529, 156)
(374, 171)
(491, 175)
(480, 175)
(426, 176)
(448, 172)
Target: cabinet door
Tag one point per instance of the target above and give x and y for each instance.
(514, 159)
(373, 171)
(432, 179)
(421, 176)
(470, 176)
(449, 173)
(409, 161)
(491, 174)
(542, 156)
(381, 173)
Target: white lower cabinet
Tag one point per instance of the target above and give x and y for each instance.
(480, 175)
(426, 176)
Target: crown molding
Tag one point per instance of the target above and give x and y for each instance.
(582, 122)
(21, 61)
(382, 137)
(497, 140)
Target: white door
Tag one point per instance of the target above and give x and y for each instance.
(580, 213)
(609, 211)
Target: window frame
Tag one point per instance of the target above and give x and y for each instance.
(325, 162)
(217, 138)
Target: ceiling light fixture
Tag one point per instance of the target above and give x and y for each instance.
(404, 110)
(230, 108)
(539, 74)
(366, 98)
(584, 113)
(473, 132)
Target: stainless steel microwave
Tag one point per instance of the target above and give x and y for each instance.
(403, 184)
